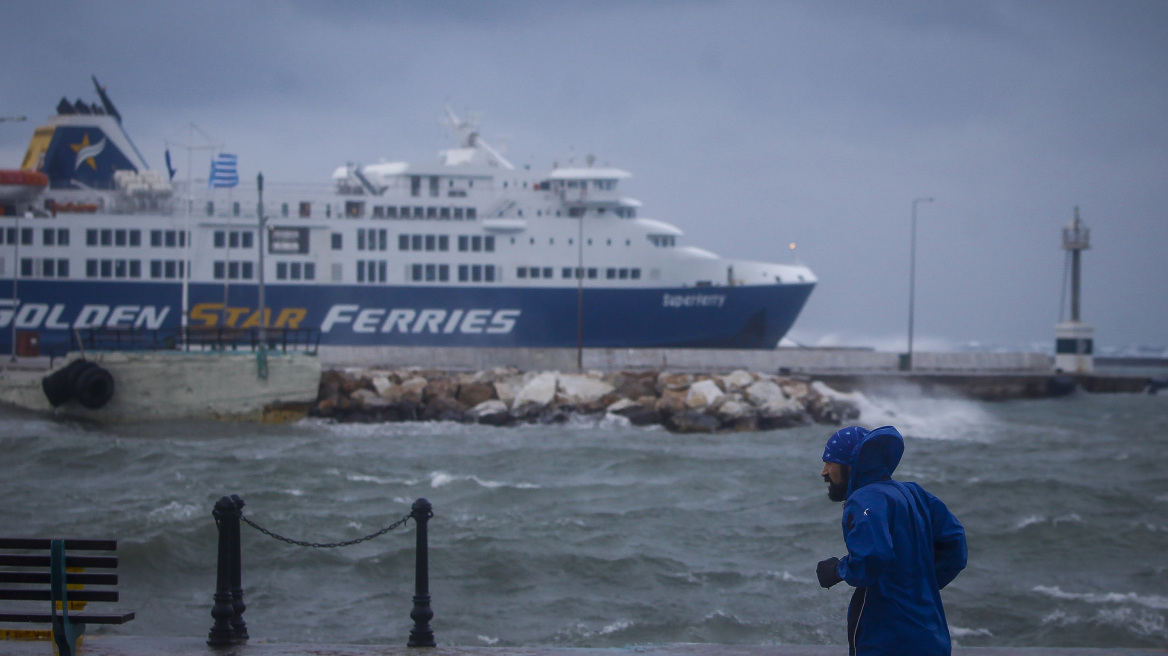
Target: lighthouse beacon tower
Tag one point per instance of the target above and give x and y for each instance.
(1074, 343)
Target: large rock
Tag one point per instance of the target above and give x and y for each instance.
(638, 414)
(412, 389)
(703, 393)
(692, 421)
(737, 415)
(671, 402)
(472, 393)
(535, 395)
(443, 408)
(580, 390)
(736, 381)
(673, 381)
(439, 387)
(782, 413)
(763, 392)
(828, 406)
(367, 398)
(633, 385)
(491, 413)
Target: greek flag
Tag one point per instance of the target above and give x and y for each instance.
(223, 173)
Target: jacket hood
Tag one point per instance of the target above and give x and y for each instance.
(875, 457)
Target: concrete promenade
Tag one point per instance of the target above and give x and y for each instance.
(110, 645)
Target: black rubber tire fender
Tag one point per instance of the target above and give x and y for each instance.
(58, 386)
(95, 387)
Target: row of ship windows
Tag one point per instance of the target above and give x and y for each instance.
(373, 239)
(95, 237)
(610, 273)
(48, 267)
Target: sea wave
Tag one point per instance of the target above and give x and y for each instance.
(442, 479)
(1151, 601)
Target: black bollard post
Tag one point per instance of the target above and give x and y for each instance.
(421, 635)
(222, 633)
(237, 605)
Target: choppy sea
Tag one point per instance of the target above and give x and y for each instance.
(596, 534)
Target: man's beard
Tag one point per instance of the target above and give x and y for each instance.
(836, 492)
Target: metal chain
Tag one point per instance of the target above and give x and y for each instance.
(324, 545)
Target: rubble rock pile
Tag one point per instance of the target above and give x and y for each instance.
(681, 402)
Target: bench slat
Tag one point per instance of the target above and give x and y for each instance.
(45, 595)
(76, 618)
(22, 560)
(70, 545)
(83, 578)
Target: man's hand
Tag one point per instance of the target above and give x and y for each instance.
(826, 573)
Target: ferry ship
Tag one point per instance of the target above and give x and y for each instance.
(467, 251)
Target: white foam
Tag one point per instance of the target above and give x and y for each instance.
(440, 479)
(915, 415)
(614, 627)
(489, 641)
(172, 510)
(1151, 601)
(958, 632)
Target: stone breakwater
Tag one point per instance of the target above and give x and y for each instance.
(681, 402)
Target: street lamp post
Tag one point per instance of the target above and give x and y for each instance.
(912, 279)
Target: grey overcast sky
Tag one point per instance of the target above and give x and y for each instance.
(749, 125)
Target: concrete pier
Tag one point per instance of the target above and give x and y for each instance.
(109, 645)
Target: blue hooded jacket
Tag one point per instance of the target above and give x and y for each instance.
(903, 547)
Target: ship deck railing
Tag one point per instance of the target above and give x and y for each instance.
(278, 340)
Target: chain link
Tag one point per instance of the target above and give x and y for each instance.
(324, 545)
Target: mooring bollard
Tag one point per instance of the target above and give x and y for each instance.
(227, 575)
(237, 605)
(421, 635)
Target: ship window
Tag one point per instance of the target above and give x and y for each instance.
(476, 273)
(575, 212)
(90, 268)
(48, 268)
(233, 240)
(592, 272)
(458, 214)
(155, 268)
(431, 242)
(431, 273)
(135, 238)
(310, 271)
(391, 211)
(155, 238)
(489, 273)
(635, 274)
(360, 270)
(135, 269)
(548, 273)
(107, 268)
(360, 240)
(534, 272)
(235, 208)
(284, 210)
(11, 232)
(433, 185)
(521, 272)
(107, 237)
(463, 273)
(220, 239)
(444, 213)
(403, 242)
(120, 238)
(62, 268)
(220, 270)
(443, 273)
(281, 270)
(431, 212)
(171, 269)
(171, 238)
(476, 243)
(416, 272)
(378, 212)
(419, 212)
(610, 273)
(470, 213)
(463, 243)
(416, 242)
(248, 239)
(233, 270)
(623, 273)
(337, 241)
(415, 185)
(354, 209)
(63, 236)
(305, 209)
(248, 269)
(50, 237)
(26, 267)
(566, 272)
(443, 242)
(383, 240)
(210, 208)
(296, 270)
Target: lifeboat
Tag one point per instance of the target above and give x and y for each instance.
(18, 186)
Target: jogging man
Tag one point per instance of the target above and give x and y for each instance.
(903, 547)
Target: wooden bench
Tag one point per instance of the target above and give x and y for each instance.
(43, 572)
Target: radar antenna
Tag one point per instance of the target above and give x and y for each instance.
(469, 137)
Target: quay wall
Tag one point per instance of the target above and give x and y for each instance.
(789, 360)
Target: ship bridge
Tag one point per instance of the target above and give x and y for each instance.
(587, 187)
